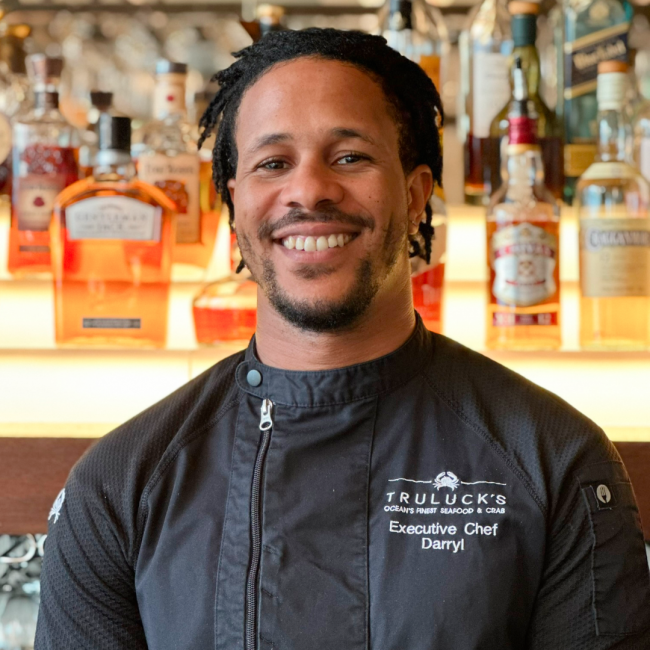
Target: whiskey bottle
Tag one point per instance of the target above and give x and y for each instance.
(226, 310)
(549, 136)
(168, 158)
(417, 30)
(485, 46)
(594, 31)
(44, 163)
(112, 238)
(612, 199)
(523, 230)
(100, 102)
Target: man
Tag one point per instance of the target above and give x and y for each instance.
(350, 481)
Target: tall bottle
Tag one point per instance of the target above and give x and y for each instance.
(549, 136)
(485, 46)
(112, 239)
(168, 158)
(612, 199)
(594, 31)
(14, 95)
(418, 31)
(44, 163)
(523, 238)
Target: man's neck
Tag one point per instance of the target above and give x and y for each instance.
(282, 345)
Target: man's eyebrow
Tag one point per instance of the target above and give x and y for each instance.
(269, 139)
(346, 134)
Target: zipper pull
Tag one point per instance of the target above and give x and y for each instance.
(266, 422)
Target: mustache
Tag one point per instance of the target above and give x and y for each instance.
(326, 215)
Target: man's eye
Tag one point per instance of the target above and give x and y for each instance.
(272, 165)
(350, 159)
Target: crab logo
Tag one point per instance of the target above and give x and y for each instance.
(446, 479)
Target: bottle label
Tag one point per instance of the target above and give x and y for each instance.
(178, 178)
(34, 199)
(510, 319)
(644, 157)
(169, 95)
(113, 217)
(523, 258)
(112, 323)
(615, 258)
(491, 90)
(582, 56)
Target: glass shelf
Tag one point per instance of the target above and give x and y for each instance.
(45, 391)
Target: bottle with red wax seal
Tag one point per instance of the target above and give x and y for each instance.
(44, 163)
(523, 236)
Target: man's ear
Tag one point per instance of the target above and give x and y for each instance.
(419, 185)
(231, 189)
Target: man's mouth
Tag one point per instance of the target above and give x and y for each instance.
(310, 244)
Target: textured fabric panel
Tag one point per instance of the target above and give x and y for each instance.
(88, 581)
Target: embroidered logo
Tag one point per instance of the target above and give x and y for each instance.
(603, 493)
(446, 479)
(55, 510)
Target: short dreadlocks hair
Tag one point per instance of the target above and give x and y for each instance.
(412, 96)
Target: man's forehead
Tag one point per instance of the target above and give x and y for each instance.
(312, 94)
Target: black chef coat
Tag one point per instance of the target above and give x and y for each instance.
(427, 500)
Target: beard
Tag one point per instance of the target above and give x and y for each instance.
(339, 315)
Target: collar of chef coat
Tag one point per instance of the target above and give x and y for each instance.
(340, 385)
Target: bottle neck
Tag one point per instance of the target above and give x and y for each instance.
(613, 135)
(169, 96)
(525, 168)
(531, 67)
(113, 165)
(46, 100)
(400, 15)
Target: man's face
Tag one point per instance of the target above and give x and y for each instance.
(321, 200)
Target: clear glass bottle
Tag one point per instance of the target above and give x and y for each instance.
(523, 238)
(112, 239)
(44, 162)
(612, 199)
(549, 135)
(226, 310)
(169, 159)
(100, 102)
(14, 95)
(594, 31)
(485, 46)
(418, 31)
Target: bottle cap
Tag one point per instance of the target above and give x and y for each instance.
(612, 85)
(524, 23)
(101, 100)
(269, 13)
(164, 66)
(114, 132)
(42, 67)
(517, 8)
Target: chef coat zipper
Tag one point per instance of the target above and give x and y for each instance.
(266, 425)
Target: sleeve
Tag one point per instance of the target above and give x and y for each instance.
(88, 595)
(595, 591)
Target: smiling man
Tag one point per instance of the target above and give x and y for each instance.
(350, 481)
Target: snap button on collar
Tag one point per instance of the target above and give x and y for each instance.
(254, 378)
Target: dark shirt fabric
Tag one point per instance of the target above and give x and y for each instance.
(427, 500)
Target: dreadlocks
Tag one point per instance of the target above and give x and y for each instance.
(413, 98)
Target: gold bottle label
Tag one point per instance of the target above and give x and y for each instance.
(178, 178)
(578, 158)
(615, 258)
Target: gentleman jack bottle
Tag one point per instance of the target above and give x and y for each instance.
(112, 238)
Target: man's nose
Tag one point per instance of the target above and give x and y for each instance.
(310, 185)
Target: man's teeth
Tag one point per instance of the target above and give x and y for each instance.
(311, 244)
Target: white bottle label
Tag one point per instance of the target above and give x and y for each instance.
(34, 196)
(644, 157)
(113, 217)
(178, 178)
(491, 90)
(169, 95)
(523, 258)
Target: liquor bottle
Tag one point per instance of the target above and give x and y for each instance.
(226, 310)
(14, 95)
(100, 102)
(549, 137)
(168, 158)
(270, 18)
(418, 31)
(112, 239)
(44, 162)
(485, 46)
(523, 230)
(427, 279)
(613, 207)
(210, 200)
(594, 31)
